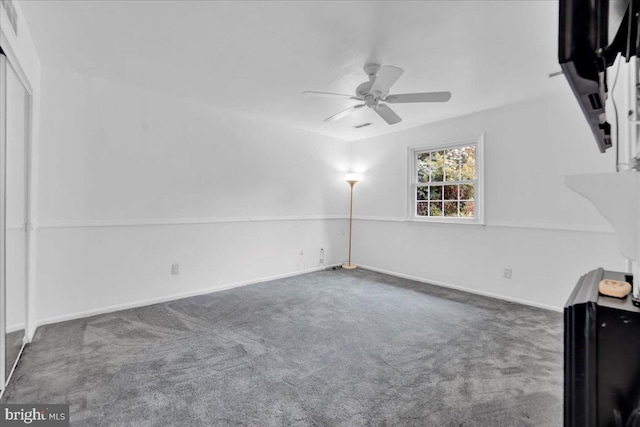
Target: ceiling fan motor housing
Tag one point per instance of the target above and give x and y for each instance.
(371, 101)
(370, 98)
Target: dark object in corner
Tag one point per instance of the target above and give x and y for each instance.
(601, 355)
(334, 268)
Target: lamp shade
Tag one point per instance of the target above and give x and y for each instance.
(352, 177)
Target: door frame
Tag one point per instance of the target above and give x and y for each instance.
(3, 221)
(5, 63)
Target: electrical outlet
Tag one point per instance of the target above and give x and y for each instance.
(507, 273)
(321, 256)
(175, 269)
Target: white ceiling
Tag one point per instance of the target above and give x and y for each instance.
(257, 57)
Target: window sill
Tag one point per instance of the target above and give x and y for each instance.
(432, 220)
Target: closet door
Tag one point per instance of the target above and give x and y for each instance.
(15, 191)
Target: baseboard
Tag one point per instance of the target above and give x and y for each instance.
(14, 328)
(464, 289)
(173, 297)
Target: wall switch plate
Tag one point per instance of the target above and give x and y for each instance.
(507, 273)
(175, 269)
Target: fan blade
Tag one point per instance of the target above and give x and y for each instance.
(387, 76)
(387, 114)
(330, 95)
(419, 97)
(343, 113)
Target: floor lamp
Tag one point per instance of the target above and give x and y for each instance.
(351, 178)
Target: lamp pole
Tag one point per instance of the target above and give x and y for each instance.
(351, 178)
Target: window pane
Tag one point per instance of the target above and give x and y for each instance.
(423, 209)
(467, 191)
(451, 209)
(446, 182)
(451, 192)
(468, 159)
(436, 192)
(467, 209)
(422, 165)
(436, 209)
(437, 166)
(452, 164)
(422, 193)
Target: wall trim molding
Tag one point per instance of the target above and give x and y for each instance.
(464, 289)
(499, 223)
(227, 220)
(172, 297)
(558, 227)
(380, 218)
(177, 221)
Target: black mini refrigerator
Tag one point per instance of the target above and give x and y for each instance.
(601, 356)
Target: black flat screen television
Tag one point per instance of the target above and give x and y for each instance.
(591, 35)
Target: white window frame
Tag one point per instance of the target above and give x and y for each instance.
(479, 181)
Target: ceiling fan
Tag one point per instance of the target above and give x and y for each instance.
(376, 91)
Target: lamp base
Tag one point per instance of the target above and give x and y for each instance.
(349, 266)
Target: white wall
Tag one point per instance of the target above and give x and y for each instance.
(536, 226)
(132, 181)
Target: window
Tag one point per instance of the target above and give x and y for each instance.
(446, 182)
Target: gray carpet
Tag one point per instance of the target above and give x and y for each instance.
(346, 348)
